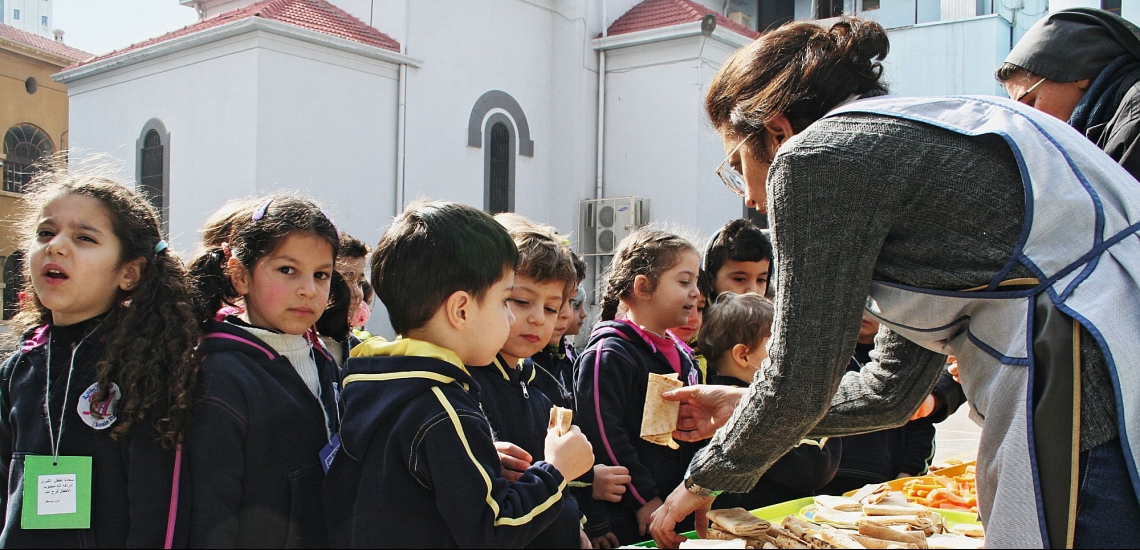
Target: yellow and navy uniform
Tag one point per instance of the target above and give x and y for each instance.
(417, 466)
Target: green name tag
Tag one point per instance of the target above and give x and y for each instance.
(57, 493)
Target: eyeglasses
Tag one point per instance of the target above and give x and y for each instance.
(732, 178)
(1028, 90)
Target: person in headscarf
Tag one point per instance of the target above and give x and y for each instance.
(1082, 65)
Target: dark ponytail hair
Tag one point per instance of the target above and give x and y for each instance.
(648, 252)
(256, 228)
(800, 70)
(149, 345)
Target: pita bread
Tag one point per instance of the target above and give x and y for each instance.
(841, 504)
(659, 418)
(739, 522)
(560, 419)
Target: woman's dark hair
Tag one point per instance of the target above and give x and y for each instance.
(255, 231)
(739, 240)
(149, 345)
(1009, 71)
(334, 321)
(800, 70)
(351, 247)
(366, 288)
(735, 319)
(648, 252)
(433, 250)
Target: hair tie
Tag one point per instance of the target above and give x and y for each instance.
(158, 248)
(226, 250)
(261, 210)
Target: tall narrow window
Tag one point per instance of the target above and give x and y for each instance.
(153, 169)
(13, 283)
(150, 182)
(24, 146)
(500, 169)
(825, 9)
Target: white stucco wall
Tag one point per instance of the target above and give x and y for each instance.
(207, 100)
(956, 57)
(659, 143)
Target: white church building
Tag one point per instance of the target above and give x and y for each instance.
(524, 105)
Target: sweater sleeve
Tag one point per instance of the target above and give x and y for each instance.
(919, 448)
(830, 218)
(215, 448)
(603, 393)
(481, 509)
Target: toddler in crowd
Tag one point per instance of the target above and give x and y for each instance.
(102, 383)
(654, 276)
(735, 336)
(267, 389)
(418, 466)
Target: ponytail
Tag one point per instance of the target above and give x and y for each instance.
(212, 286)
(800, 70)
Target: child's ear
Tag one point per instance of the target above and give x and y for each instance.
(740, 356)
(240, 277)
(131, 273)
(457, 309)
(642, 287)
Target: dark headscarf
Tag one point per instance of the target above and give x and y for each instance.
(1075, 44)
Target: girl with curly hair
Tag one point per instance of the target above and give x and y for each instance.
(99, 392)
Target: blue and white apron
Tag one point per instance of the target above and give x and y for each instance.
(1079, 239)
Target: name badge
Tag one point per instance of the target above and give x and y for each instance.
(329, 452)
(57, 492)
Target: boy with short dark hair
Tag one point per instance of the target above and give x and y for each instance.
(739, 259)
(418, 465)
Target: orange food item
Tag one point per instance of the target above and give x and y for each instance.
(947, 493)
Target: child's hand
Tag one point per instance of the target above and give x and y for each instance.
(645, 515)
(925, 409)
(606, 541)
(610, 481)
(513, 459)
(571, 452)
(584, 541)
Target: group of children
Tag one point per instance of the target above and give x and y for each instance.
(231, 403)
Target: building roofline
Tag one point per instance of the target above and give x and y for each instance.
(227, 30)
(660, 34)
(36, 53)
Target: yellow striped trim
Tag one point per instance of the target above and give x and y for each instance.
(487, 479)
(813, 443)
(1075, 458)
(407, 347)
(580, 484)
(397, 376)
(502, 369)
(1026, 281)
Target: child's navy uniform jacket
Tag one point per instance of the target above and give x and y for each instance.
(131, 479)
(554, 373)
(612, 376)
(519, 413)
(254, 445)
(798, 474)
(418, 465)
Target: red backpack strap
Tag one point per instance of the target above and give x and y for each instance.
(172, 516)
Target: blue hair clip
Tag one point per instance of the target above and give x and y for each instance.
(261, 210)
(158, 248)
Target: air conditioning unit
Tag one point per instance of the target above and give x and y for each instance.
(741, 18)
(603, 223)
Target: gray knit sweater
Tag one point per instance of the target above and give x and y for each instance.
(861, 197)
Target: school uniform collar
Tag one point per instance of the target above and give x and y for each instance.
(407, 347)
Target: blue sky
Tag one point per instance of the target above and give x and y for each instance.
(99, 26)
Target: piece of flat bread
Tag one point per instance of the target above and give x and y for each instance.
(842, 504)
(659, 418)
(969, 529)
(707, 543)
(561, 419)
(739, 522)
(949, 540)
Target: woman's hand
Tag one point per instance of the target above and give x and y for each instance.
(645, 515)
(677, 507)
(704, 408)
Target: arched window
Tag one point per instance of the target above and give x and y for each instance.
(24, 146)
(499, 180)
(13, 283)
(498, 125)
(154, 169)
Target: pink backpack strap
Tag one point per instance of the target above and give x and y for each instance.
(172, 516)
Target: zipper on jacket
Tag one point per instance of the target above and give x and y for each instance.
(526, 394)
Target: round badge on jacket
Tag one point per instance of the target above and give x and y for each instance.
(102, 415)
